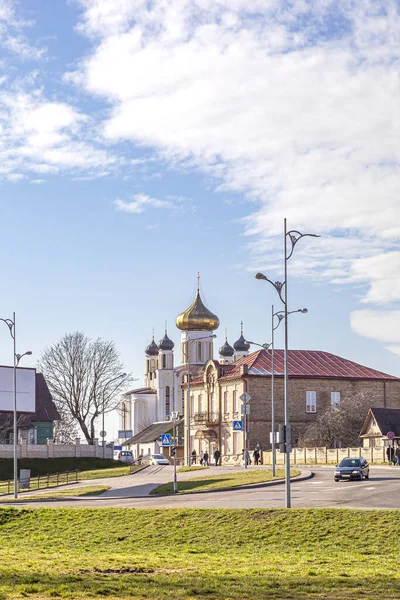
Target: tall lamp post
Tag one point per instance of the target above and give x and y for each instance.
(187, 414)
(294, 236)
(17, 359)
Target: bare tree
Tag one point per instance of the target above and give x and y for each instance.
(85, 377)
(65, 428)
(7, 426)
(338, 424)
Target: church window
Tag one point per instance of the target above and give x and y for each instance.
(235, 401)
(164, 361)
(167, 402)
(226, 402)
(199, 351)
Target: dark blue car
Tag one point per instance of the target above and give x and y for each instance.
(352, 468)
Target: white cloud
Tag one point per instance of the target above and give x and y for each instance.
(141, 202)
(37, 181)
(294, 104)
(380, 325)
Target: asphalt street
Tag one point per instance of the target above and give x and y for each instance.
(382, 490)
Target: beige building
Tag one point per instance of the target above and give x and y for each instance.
(317, 380)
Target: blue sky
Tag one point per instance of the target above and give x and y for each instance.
(141, 144)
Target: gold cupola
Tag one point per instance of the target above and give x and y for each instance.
(197, 317)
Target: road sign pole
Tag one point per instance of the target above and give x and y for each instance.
(245, 438)
(175, 444)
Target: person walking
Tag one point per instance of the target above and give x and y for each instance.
(201, 457)
(397, 454)
(217, 456)
(205, 459)
(194, 457)
(390, 454)
(256, 456)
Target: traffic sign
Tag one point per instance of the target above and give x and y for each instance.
(166, 439)
(237, 425)
(390, 435)
(245, 409)
(103, 434)
(245, 397)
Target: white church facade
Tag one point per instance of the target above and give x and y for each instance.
(165, 384)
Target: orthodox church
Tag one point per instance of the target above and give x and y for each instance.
(164, 386)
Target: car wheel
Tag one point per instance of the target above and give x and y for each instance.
(367, 475)
(360, 477)
(337, 480)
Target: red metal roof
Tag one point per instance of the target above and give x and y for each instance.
(305, 364)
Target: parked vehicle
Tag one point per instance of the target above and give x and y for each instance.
(352, 468)
(157, 459)
(125, 456)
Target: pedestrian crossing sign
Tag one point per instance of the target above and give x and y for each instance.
(166, 439)
(237, 425)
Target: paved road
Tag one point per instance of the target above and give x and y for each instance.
(382, 490)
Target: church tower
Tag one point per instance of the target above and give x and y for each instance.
(241, 346)
(197, 324)
(165, 382)
(226, 352)
(151, 365)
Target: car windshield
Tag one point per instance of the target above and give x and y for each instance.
(158, 456)
(350, 462)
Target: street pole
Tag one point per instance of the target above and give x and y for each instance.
(175, 445)
(287, 424)
(272, 394)
(15, 414)
(245, 435)
(104, 439)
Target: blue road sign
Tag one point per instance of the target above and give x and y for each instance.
(237, 425)
(166, 439)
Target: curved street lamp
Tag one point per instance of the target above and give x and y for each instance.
(280, 316)
(187, 412)
(293, 236)
(16, 360)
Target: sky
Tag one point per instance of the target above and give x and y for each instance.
(142, 143)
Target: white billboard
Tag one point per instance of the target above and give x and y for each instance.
(26, 390)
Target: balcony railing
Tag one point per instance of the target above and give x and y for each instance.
(206, 417)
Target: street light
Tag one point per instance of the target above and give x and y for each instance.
(175, 418)
(187, 415)
(103, 433)
(280, 317)
(294, 236)
(17, 358)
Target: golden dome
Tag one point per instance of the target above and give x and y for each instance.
(197, 317)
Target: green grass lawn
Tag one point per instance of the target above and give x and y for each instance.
(87, 490)
(213, 482)
(203, 554)
(100, 473)
(192, 468)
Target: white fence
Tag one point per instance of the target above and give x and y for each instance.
(322, 455)
(52, 450)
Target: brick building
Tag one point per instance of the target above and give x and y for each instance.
(316, 381)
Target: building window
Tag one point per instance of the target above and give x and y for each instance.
(213, 405)
(167, 402)
(201, 407)
(183, 397)
(227, 444)
(311, 402)
(226, 409)
(191, 406)
(335, 398)
(235, 402)
(235, 443)
(199, 351)
(164, 361)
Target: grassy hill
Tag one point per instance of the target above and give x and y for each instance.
(42, 466)
(186, 554)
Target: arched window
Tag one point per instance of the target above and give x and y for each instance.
(183, 397)
(164, 361)
(199, 351)
(167, 401)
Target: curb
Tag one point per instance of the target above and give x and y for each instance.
(296, 478)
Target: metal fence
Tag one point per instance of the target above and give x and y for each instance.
(323, 455)
(40, 482)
